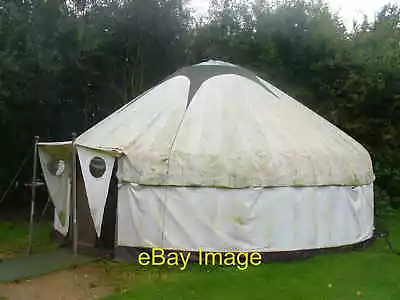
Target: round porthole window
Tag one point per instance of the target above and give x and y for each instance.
(97, 167)
(56, 167)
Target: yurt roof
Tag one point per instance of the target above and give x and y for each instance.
(216, 124)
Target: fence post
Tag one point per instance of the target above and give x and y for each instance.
(74, 202)
(36, 141)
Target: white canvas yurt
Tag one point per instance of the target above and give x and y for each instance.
(214, 157)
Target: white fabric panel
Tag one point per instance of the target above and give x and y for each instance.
(136, 215)
(144, 131)
(235, 133)
(59, 187)
(58, 226)
(96, 188)
(239, 135)
(254, 219)
(55, 145)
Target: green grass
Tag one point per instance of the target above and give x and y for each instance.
(372, 273)
(14, 238)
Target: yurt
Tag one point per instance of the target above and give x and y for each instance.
(212, 158)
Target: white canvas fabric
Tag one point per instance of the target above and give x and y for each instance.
(253, 219)
(214, 157)
(58, 183)
(96, 188)
(60, 227)
(232, 131)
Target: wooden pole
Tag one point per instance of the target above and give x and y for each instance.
(74, 202)
(33, 195)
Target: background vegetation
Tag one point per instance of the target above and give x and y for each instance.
(64, 65)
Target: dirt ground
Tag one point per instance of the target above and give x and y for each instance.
(84, 283)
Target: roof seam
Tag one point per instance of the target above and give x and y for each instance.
(176, 135)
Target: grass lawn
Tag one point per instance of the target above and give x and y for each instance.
(14, 237)
(372, 273)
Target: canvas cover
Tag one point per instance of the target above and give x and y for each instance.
(215, 157)
(55, 160)
(220, 125)
(251, 219)
(96, 187)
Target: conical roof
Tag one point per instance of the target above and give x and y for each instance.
(219, 125)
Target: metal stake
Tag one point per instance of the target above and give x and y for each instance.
(33, 195)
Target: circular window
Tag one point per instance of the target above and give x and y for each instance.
(97, 167)
(56, 167)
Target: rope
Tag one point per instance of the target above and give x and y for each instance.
(3, 197)
(45, 208)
